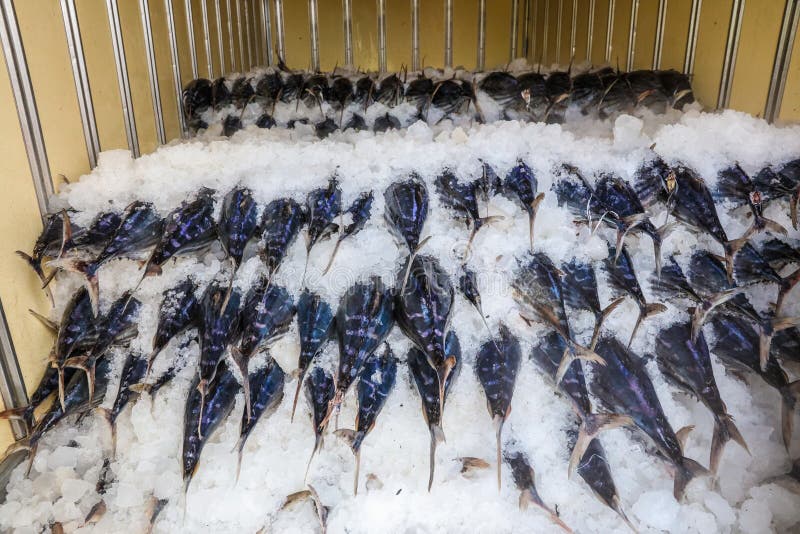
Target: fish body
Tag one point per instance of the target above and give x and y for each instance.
(623, 386)
(283, 218)
(502, 87)
(323, 205)
(266, 315)
(538, 287)
(320, 391)
(314, 325)
(218, 326)
(687, 364)
(238, 223)
(133, 371)
(497, 365)
(98, 233)
(189, 228)
(407, 210)
(177, 313)
(266, 394)
(580, 293)
(525, 480)
(427, 383)
(522, 184)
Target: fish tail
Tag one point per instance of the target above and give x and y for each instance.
(95, 513)
(26, 444)
(731, 248)
(437, 436)
(317, 446)
(66, 234)
(239, 454)
(724, 431)
(241, 363)
(604, 313)
(532, 216)
(793, 200)
(761, 223)
(617, 507)
(296, 395)
(442, 372)
(498, 430)
(141, 387)
(701, 311)
(644, 312)
(36, 265)
(358, 469)
(789, 396)
(658, 238)
(334, 404)
(410, 261)
(529, 497)
(333, 255)
(591, 426)
(573, 352)
(106, 415)
(787, 283)
(49, 324)
(686, 470)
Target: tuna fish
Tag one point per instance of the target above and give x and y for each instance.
(281, 222)
(320, 391)
(424, 377)
(687, 364)
(178, 312)
(735, 186)
(468, 284)
(323, 205)
(497, 365)
(525, 480)
(580, 293)
(522, 184)
(238, 224)
(624, 387)
(359, 211)
(374, 386)
(133, 371)
(314, 325)
(461, 198)
(406, 211)
(77, 327)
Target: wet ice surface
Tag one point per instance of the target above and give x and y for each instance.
(277, 163)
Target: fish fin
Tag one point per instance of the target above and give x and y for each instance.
(442, 372)
(648, 310)
(437, 436)
(141, 387)
(604, 313)
(498, 421)
(701, 312)
(61, 388)
(731, 248)
(152, 269)
(105, 413)
(241, 363)
(317, 446)
(202, 387)
(48, 323)
(410, 261)
(14, 413)
(685, 472)
(724, 431)
(37, 268)
(529, 497)
(95, 513)
(683, 435)
(333, 255)
(793, 207)
(590, 428)
(349, 436)
(573, 352)
(789, 396)
(239, 448)
(532, 216)
(358, 469)
(297, 393)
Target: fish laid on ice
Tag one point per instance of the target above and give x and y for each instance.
(314, 326)
(525, 479)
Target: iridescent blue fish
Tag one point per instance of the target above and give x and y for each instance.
(283, 218)
(238, 224)
(323, 205)
(525, 480)
(359, 211)
(406, 211)
(462, 198)
(78, 327)
(374, 385)
(320, 390)
(736, 187)
(580, 293)
(177, 313)
(468, 284)
(133, 371)
(497, 365)
(521, 182)
(314, 325)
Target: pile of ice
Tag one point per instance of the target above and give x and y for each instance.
(394, 497)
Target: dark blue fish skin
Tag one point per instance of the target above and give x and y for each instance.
(386, 122)
(574, 191)
(695, 205)
(595, 470)
(707, 272)
(364, 319)
(99, 232)
(119, 323)
(266, 315)
(424, 308)
(525, 480)
(283, 218)
(538, 285)
(178, 312)
(623, 386)
(231, 124)
(266, 390)
(580, 287)
(468, 285)
(407, 210)
(314, 325)
(238, 223)
(780, 253)
(133, 371)
(76, 400)
(141, 228)
(673, 283)
(521, 182)
(735, 186)
(360, 210)
(687, 364)
(496, 366)
(786, 345)
(320, 390)
(427, 383)
(547, 357)
(323, 205)
(189, 228)
(489, 182)
(77, 325)
(266, 121)
(203, 415)
(654, 182)
(461, 198)
(217, 327)
(749, 267)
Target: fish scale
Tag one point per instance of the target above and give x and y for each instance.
(238, 223)
(314, 325)
(282, 220)
(178, 312)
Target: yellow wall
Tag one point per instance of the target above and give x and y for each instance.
(43, 34)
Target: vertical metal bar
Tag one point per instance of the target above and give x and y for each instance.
(558, 30)
(659, 46)
(190, 30)
(783, 58)
(207, 38)
(258, 42)
(347, 21)
(414, 34)
(448, 33)
(526, 29)
(313, 22)
(610, 29)
(122, 77)
(267, 21)
(243, 66)
(481, 34)
(12, 384)
(632, 34)
(534, 28)
(691, 38)
(81, 77)
(220, 49)
(176, 66)
(247, 35)
(155, 92)
(279, 29)
(545, 25)
(731, 50)
(512, 51)
(573, 30)
(231, 47)
(590, 30)
(382, 35)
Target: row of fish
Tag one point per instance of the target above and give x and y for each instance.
(231, 328)
(528, 96)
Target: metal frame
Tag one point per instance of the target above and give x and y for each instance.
(590, 30)
(632, 34)
(610, 29)
(783, 59)
(247, 35)
(123, 81)
(81, 77)
(190, 32)
(691, 38)
(207, 38)
(558, 30)
(242, 64)
(545, 25)
(347, 22)
(232, 48)
(415, 34)
(481, 60)
(448, 32)
(25, 100)
(267, 22)
(573, 30)
(526, 29)
(313, 22)
(218, 15)
(12, 384)
(382, 36)
(279, 30)
(176, 66)
(731, 51)
(512, 53)
(155, 92)
(659, 44)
